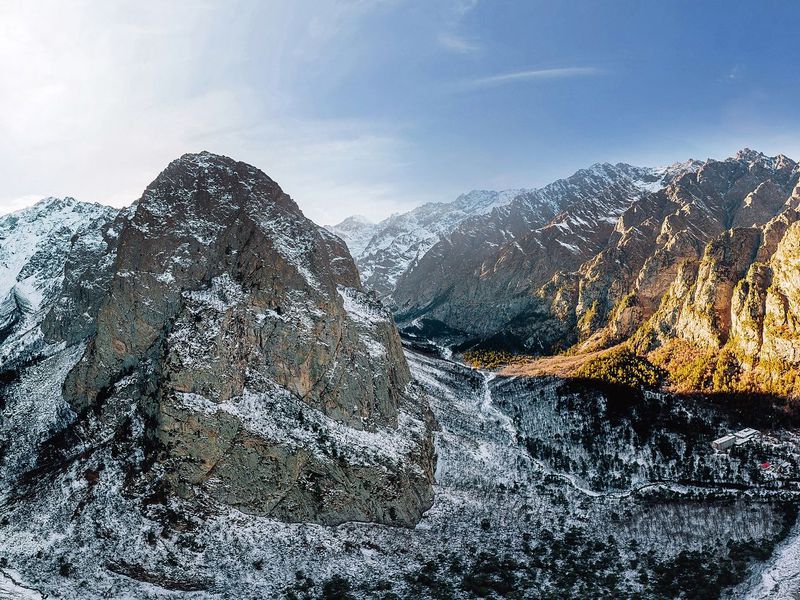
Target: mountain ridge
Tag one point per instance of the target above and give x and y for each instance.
(385, 250)
(217, 317)
(692, 262)
(209, 403)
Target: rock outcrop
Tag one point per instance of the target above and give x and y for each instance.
(232, 357)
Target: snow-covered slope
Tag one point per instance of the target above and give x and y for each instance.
(543, 489)
(34, 246)
(385, 250)
(214, 408)
(356, 231)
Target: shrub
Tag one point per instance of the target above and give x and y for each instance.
(726, 372)
(622, 367)
(337, 588)
(490, 575)
(589, 319)
(489, 359)
(690, 368)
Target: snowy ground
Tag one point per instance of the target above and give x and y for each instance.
(516, 515)
(778, 578)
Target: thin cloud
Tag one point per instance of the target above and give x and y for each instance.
(457, 44)
(462, 7)
(532, 75)
(9, 205)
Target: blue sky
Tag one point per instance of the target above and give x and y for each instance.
(374, 107)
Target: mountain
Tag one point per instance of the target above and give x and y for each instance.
(386, 250)
(670, 231)
(502, 258)
(702, 267)
(35, 246)
(231, 358)
(198, 399)
(356, 231)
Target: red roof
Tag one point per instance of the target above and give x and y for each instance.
(765, 464)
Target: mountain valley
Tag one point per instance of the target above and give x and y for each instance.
(206, 395)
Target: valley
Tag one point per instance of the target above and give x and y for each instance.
(541, 490)
(200, 398)
(399, 300)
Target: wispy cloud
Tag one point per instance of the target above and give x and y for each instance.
(457, 44)
(733, 74)
(531, 75)
(8, 205)
(96, 98)
(462, 7)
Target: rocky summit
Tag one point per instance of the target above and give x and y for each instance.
(233, 357)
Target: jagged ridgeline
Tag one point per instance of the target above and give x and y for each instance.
(697, 266)
(217, 347)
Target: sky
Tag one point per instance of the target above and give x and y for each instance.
(373, 107)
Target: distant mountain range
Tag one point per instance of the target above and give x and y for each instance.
(698, 254)
(385, 251)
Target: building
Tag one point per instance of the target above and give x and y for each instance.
(746, 434)
(735, 439)
(723, 443)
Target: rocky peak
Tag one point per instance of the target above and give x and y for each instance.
(355, 231)
(386, 250)
(630, 253)
(748, 155)
(227, 315)
(661, 234)
(354, 224)
(478, 201)
(754, 158)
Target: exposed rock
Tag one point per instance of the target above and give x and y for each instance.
(36, 245)
(503, 259)
(386, 250)
(709, 260)
(233, 356)
(657, 236)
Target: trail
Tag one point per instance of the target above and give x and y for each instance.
(488, 408)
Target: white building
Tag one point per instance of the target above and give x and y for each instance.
(746, 434)
(735, 439)
(723, 443)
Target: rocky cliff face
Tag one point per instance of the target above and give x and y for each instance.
(709, 260)
(503, 259)
(667, 232)
(233, 357)
(702, 272)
